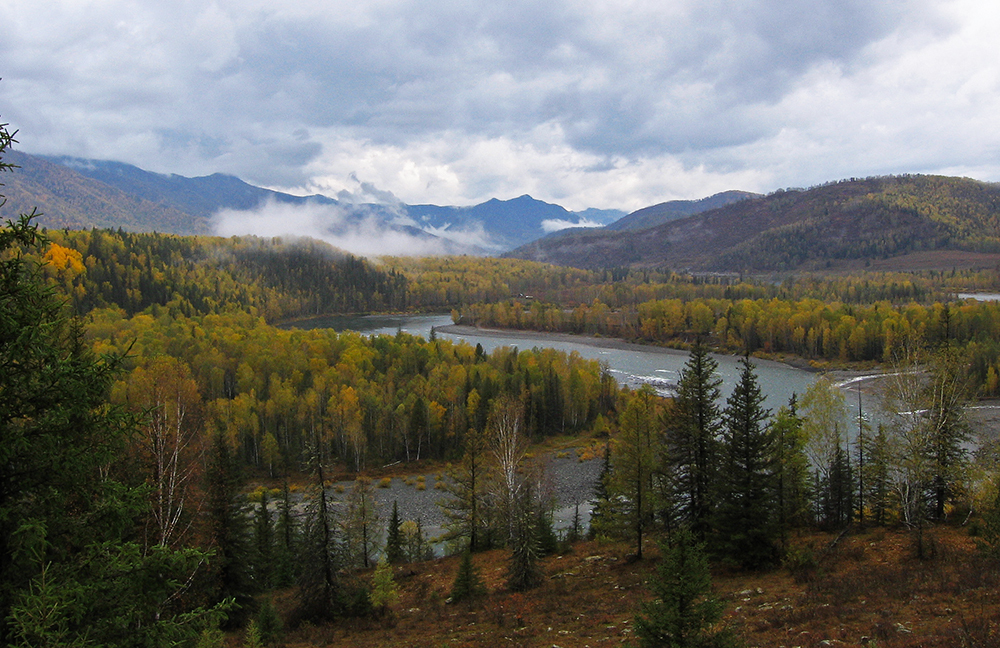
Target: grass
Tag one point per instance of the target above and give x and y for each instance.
(868, 591)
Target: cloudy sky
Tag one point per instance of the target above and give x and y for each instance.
(583, 103)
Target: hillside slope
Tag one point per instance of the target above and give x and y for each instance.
(837, 223)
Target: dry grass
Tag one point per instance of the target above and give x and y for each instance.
(868, 591)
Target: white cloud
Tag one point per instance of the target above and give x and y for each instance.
(558, 224)
(368, 236)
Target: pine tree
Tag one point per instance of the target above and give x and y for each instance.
(468, 583)
(745, 522)
(683, 612)
(523, 570)
(693, 427)
(229, 529)
(394, 538)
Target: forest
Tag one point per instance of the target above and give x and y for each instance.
(169, 453)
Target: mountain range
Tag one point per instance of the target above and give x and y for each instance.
(76, 193)
(892, 222)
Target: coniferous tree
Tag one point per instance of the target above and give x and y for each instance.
(384, 593)
(836, 492)
(693, 428)
(602, 515)
(229, 529)
(465, 509)
(360, 523)
(468, 583)
(746, 525)
(523, 570)
(393, 537)
(791, 471)
(946, 395)
(683, 612)
(264, 540)
(415, 546)
(878, 477)
(636, 449)
(323, 593)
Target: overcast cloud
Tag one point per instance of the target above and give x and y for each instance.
(586, 104)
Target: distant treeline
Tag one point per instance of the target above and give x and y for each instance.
(809, 328)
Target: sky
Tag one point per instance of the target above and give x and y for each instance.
(612, 105)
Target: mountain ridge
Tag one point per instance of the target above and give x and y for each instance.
(839, 223)
(77, 193)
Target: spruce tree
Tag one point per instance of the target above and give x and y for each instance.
(468, 583)
(229, 530)
(683, 612)
(746, 525)
(523, 570)
(394, 538)
(693, 428)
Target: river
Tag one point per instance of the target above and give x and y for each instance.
(630, 364)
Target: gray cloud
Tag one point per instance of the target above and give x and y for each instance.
(604, 104)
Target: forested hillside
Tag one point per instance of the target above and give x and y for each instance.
(273, 278)
(834, 225)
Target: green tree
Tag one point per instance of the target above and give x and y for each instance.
(229, 530)
(523, 570)
(693, 427)
(791, 471)
(264, 562)
(683, 612)
(394, 537)
(360, 524)
(287, 534)
(468, 584)
(467, 487)
(746, 525)
(636, 448)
